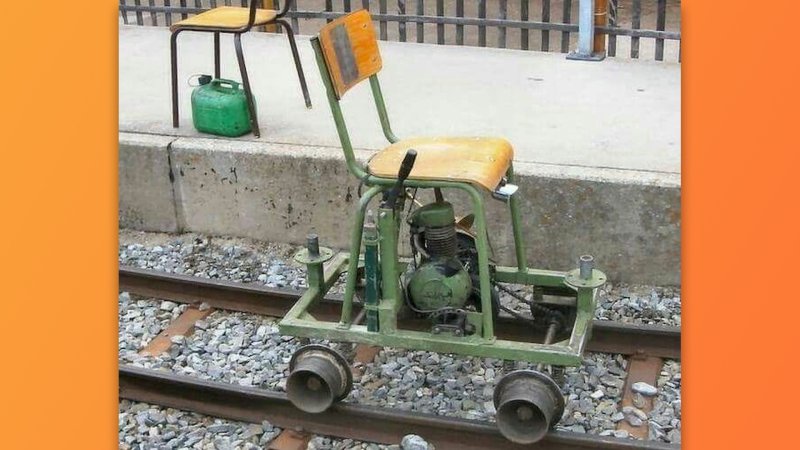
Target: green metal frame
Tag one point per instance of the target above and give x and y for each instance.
(299, 322)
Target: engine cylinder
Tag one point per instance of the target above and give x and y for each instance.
(441, 241)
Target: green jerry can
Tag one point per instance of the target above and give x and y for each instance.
(219, 107)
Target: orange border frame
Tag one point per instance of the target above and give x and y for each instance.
(741, 160)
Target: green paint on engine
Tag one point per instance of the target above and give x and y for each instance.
(440, 283)
(438, 214)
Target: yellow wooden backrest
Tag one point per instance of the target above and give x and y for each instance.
(351, 51)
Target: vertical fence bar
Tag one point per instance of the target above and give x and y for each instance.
(183, 14)
(295, 22)
(524, 15)
(459, 28)
(482, 28)
(153, 15)
(661, 19)
(501, 31)
(139, 20)
(328, 8)
(168, 15)
(365, 4)
(636, 23)
(546, 18)
(213, 3)
(566, 17)
(383, 24)
(420, 25)
(612, 22)
(346, 5)
(440, 26)
(401, 25)
(123, 13)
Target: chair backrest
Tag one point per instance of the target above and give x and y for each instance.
(256, 4)
(350, 48)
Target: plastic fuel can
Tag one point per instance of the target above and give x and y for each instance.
(219, 107)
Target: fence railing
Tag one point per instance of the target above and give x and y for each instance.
(635, 28)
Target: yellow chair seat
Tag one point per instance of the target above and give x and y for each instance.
(225, 17)
(481, 161)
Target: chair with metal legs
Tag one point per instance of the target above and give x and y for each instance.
(234, 20)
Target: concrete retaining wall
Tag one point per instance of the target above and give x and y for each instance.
(629, 220)
(146, 200)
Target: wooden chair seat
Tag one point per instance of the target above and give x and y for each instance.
(481, 161)
(232, 17)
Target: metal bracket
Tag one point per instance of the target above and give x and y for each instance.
(504, 192)
(585, 276)
(305, 257)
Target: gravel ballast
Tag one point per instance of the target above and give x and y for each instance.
(145, 426)
(250, 261)
(247, 349)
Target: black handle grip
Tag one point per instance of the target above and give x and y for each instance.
(407, 165)
(390, 200)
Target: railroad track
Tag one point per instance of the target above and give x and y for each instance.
(646, 346)
(610, 337)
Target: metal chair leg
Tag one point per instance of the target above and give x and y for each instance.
(237, 40)
(296, 56)
(173, 57)
(216, 55)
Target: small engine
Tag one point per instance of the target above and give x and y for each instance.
(440, 279)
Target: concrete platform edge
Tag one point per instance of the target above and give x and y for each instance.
(629, 220)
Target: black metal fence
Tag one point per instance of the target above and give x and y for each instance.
(635, 28)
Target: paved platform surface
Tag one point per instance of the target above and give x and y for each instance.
(618, 114)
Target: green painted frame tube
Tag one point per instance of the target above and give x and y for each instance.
(372, 274)
(516, 224)
(536, 277)
(314, 294)
(336, 110)
(391, 294)
(562, 354)
(377, 95)
(355, 249)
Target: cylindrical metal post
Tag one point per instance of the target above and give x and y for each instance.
(591, 45)
(586, 27)
(312, 244)
(586, 266)
(316, 273)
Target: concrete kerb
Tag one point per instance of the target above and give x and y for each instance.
(629, 220)
(146, 200)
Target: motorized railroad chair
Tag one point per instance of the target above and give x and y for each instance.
(234, 20)
(347, 53)
(448, 280)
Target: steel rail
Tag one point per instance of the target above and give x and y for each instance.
(607, 336)
(373, 424)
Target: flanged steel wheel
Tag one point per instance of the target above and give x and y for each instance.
(528, 404)
(319, 376)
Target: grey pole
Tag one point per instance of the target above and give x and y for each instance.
(586, 33)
